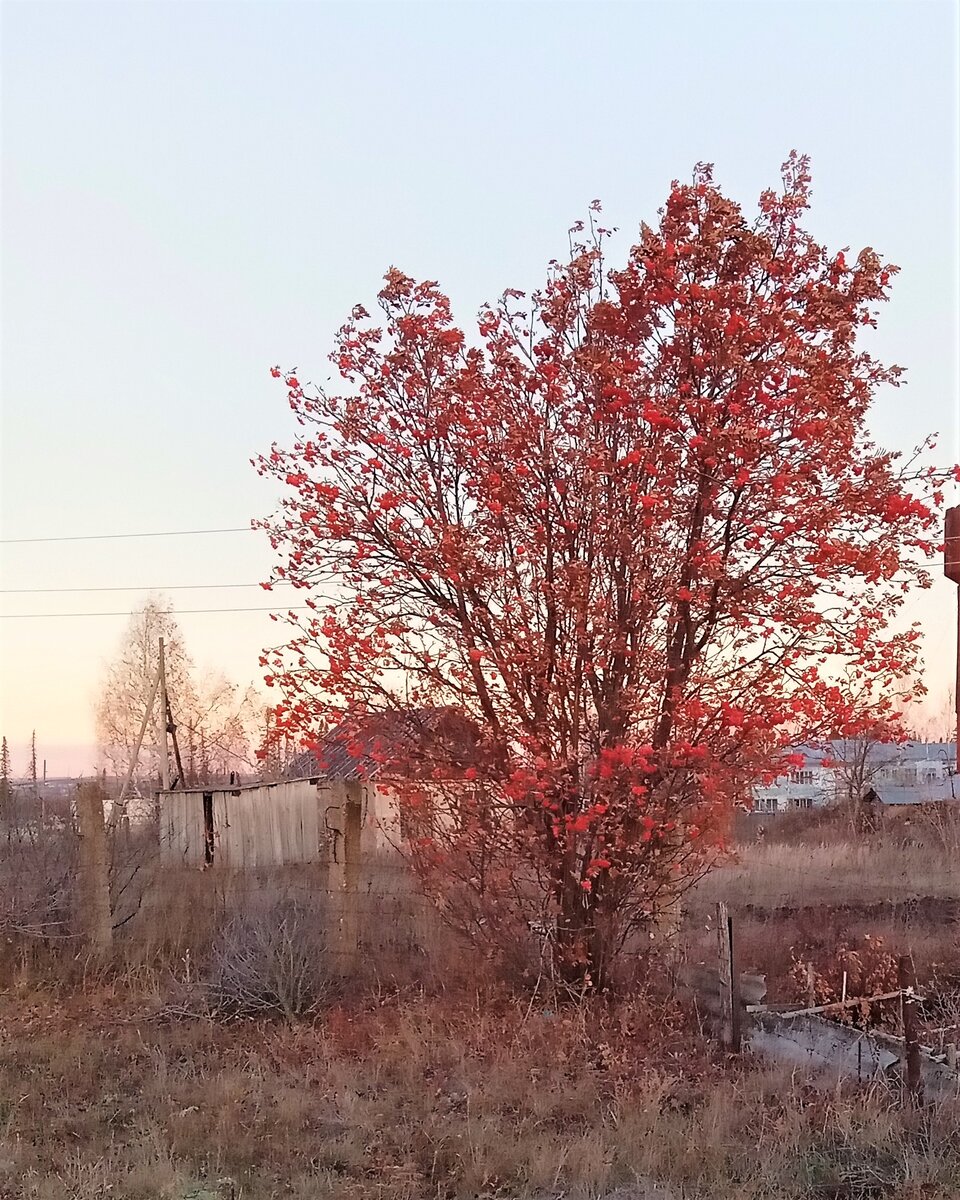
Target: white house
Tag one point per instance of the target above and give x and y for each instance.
(909, 773)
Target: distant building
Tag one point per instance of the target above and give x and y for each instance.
(806, 785)
(910, 773)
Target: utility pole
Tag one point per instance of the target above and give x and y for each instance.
(118, 811)
(172, 730)
(162, 707)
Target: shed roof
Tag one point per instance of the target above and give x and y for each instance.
(405, 742)
(890, 753)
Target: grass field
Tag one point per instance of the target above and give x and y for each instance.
(426, 1080)
(776, 875)
(430, 1097)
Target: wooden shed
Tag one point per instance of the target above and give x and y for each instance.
(332, 795)
(274, 824)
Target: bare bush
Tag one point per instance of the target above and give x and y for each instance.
(934, 826)
(37, 883)
(273, 960)
(41, 901)
(134, 867)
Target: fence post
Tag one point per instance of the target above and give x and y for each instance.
(349, 928)
(94, 870)
(729, 982)
(952, 1055)
(911, 1044)
(811, 986)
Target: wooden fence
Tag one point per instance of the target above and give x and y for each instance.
(274, 824)
(734, 1004)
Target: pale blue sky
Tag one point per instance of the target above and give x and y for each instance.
(194, 191)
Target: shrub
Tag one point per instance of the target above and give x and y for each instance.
(272, 960)
(37, 884)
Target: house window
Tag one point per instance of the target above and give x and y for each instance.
(801, 777)
(766, 804)
(802, 802)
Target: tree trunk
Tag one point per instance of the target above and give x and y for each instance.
(583, 949)
(600, 948)
(94, 872)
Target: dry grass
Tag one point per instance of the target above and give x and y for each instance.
(808, 891)
(424, 1079)
(776, 875)
(421, 1098)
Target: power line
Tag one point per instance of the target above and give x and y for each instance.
(180, 587)
(180, 613)
(170, 587)
(97, 537)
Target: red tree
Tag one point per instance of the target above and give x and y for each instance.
(636, 530)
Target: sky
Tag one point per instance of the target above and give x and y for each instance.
(192, 192)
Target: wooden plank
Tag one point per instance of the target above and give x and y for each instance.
(286, 849)
(222, 830)
(169, 832)
(268, 813)
(252, 836)
(249, 830)
(233, 807)
(183, 835)
(185, 815)
(176, 845)
(913, 1079)
(816, 1009)
(374, 808)
(237, 821)
(729, 981)
(307, 823)
(193, 823)
(297, 829)
(276, 814)
(263, 834)
(291, 832)
(226, 829)
(315, 831)
(193, 804)
(301, 797)
(811, 985)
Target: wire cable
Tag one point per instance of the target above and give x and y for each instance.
(127, 613)
(98, 537)
(181, 587)
(170, 587)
